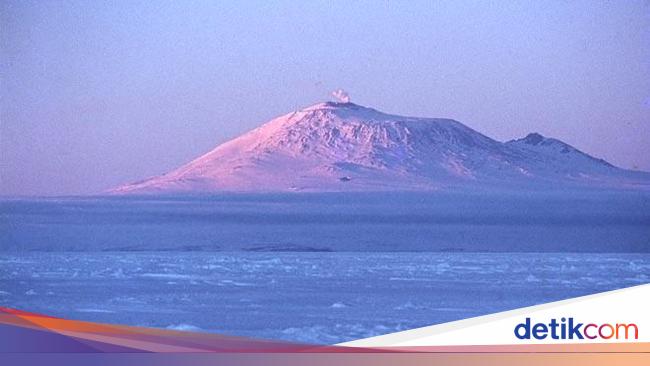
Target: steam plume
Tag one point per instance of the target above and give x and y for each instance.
(341, 95)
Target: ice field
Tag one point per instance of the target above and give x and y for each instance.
(309, 297)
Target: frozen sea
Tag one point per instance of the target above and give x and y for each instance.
(315, 268)
(310, 297)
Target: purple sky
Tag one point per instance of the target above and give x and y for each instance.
(98, 93)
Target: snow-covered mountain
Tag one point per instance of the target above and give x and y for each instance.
(347, 147)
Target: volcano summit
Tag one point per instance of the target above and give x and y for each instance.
(346, 147)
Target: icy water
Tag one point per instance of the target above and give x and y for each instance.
(379, 222)
(310, 297)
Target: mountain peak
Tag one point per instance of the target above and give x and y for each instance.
(537, 139)
(339, 106)
(534, 138)
(332, 105)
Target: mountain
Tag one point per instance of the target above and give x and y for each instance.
(347, 147)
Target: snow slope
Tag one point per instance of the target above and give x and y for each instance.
(347, 147)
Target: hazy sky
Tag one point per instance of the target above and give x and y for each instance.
(98, 93)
